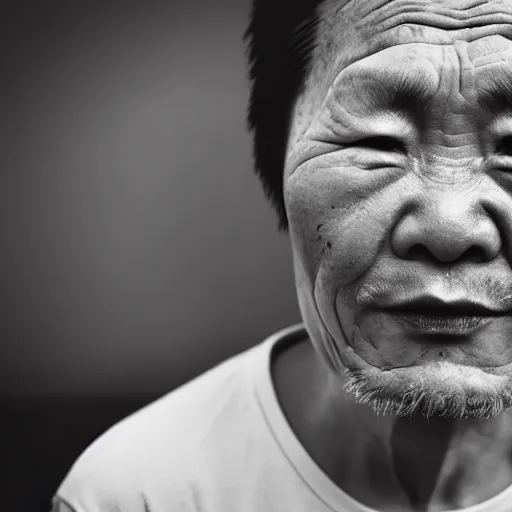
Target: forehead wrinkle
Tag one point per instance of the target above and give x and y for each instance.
(431, 14)
(356, 27)
(368, 10)
(449, 12)
(487, 69)
(345, 35)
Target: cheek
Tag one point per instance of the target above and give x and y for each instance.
(338, 222)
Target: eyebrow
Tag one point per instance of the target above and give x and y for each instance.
(496, 94)
(409, 93)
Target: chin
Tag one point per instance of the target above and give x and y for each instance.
(434, 390)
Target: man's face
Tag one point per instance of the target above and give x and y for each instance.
(398, 190)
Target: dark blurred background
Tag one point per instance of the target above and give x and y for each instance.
(137, 248)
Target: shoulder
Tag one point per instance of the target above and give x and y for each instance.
(161, 451)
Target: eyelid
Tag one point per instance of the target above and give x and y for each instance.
(386, 143)
(361, 140)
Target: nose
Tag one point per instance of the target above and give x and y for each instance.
(448, 229)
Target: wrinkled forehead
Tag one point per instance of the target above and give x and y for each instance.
(350, 30)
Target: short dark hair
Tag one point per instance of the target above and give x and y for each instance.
(280, 39)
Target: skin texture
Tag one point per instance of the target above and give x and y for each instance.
(368, 225)
(427, 210)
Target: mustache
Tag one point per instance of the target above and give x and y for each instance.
(482, 287)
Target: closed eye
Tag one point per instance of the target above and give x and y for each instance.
(505, 146)
(381, 143)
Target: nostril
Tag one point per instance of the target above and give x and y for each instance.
(448, 234)
(420, 252)
(475, 254)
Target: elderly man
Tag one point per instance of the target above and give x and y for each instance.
(383, 135)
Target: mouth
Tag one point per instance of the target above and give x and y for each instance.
(435, 316)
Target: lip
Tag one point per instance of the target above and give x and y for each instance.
(445, 324)
(436, 316)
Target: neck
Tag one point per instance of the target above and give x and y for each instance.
(387, 462)
(446, 464)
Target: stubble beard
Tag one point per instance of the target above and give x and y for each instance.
(429, 399)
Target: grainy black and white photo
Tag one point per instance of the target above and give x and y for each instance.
(258, 255)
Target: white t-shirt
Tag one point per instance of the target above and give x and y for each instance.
(220, 443)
